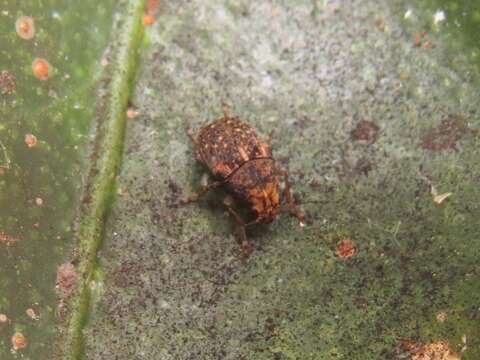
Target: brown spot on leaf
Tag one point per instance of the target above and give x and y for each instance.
(18, 341)
(437, 350)
(363, 166)
(345, 249)
(421, 39)
(42, 69)
(66, 278)
(25, 27)
(446, 135)
(148, 20)
(8, 239)
(365, 132)
(380, 24)
(7, 83)
(152, 7)
(30, 140)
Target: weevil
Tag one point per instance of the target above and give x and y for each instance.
(244, 165)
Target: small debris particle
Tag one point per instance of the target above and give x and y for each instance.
(122, 192)
(148, 20)
(380, 24)
(132, 113)
(104, 62)
(41, 69)
(18, 341)
(366, 132)
(66, 278)
(439, 199)
(441, 316)
(32, 314)
(38, 201)
(30, 140)
(25, 27)
(7, 83)
(404, 76)
(446, 135)
(408, 14)
(346, 249)
(7, 239)
(3, 318)
(439, 17)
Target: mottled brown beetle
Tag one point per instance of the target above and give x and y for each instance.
(244, 165)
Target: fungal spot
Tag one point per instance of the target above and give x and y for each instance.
(3, 318)
(132, 113)
(18, 341)
(365, 132)
(7, 83)
(152, 7)
(25, 27)
(380, 24)
(446, 135)
(30, 140)
(8, 239)
(32, 314)
(41, 69)
(441, 316)
(345, 249)
(437, 350)
(66, 278)
(148, 20)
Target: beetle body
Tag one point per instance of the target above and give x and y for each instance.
(236, 156)
(244, 165)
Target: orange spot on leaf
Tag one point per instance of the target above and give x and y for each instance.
(346, 248)
(25, 27)
(41, 69)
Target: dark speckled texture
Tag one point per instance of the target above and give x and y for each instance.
(171, 283)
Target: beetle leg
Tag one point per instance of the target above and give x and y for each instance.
(245, 244)
(203, 192)
(226, 110)
(189, 132)
(292, 207)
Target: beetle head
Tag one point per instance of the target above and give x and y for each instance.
(265, 201)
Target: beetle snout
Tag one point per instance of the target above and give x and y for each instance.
(266, 202)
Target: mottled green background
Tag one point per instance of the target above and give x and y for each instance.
(170, 282)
